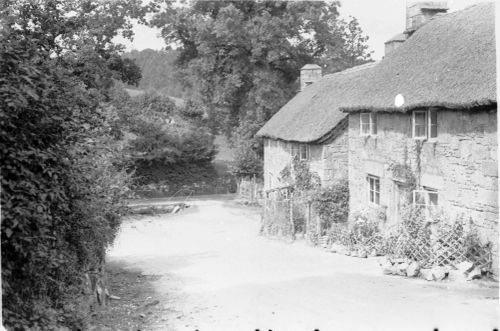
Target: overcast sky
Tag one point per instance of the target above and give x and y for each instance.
(379, 19)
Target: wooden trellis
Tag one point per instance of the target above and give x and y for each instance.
(446, 245)
(437, 245)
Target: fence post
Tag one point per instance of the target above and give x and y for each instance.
(291, 216)
(252, 189)
(318, 226)
(308, 218)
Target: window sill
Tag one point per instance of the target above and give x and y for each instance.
(374, 205)
(425, 139)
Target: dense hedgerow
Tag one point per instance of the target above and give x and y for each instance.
(60, 187)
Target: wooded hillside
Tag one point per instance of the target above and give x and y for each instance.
(158, 71)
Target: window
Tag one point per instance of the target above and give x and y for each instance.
(300, 150)
(304, 152)
(368, 124)
(294, 149)
(426, 198)
(424, 124)
(373, 189)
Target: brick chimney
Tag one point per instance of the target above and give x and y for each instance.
(309, 74)
(395, 42)
(417, 14)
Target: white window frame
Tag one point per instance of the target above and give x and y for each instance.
(306, 152)
(427, 205)
(296, 150)
(428, 124)
(372, 120)
(369, 180)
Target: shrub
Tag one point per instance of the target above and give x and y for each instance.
(332, 203)
(61, 190)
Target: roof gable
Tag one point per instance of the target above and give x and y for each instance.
(314, 112)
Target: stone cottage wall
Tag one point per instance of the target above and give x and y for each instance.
(335, 156)
(276, 157)
(316, 162)
(461, 163)
(328, 160)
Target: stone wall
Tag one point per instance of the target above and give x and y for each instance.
(335, 156)
(328, 160)
(277, 156)
(461, 164)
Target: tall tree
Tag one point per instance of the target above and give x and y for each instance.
(242, 58)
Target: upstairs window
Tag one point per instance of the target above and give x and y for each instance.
(427, 199)
(304, 152)
(301, 151)
(424, 123)
(373, 189)
(368, 124)
(294, 150)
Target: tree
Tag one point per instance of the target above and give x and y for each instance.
(241, 58)
(61, 189)
(163, 138)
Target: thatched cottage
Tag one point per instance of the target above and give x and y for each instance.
(423, 127)
(311, 127)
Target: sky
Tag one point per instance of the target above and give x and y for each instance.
(379, 19)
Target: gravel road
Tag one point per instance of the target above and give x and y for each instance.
(216, 273)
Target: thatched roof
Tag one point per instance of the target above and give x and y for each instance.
(398, 37)
(314, 112)
(448, 63)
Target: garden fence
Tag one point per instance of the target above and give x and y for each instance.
(251, 190)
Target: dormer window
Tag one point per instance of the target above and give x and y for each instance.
(368, 124)
(424, 124)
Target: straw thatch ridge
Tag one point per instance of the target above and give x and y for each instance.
(448, 63)
(313, 113)
(398, 37)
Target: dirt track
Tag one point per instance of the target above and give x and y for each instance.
(216, 273)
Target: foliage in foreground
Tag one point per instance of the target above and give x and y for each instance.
(61, 189)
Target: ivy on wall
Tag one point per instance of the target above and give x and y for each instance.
(332, 203)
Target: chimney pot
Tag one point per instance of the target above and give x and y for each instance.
(420, 12)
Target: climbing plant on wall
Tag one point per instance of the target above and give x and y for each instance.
(304, 178)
